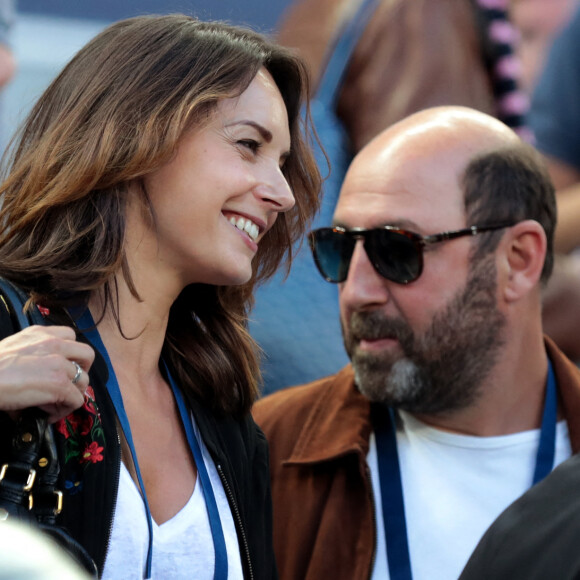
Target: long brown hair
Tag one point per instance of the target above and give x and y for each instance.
(115, 114)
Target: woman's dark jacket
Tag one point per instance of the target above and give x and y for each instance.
(90, 458)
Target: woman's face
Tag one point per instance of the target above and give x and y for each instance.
(220, 194)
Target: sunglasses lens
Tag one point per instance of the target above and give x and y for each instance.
(395, 256)
(332, 252)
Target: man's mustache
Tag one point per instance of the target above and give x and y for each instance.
(375, 325)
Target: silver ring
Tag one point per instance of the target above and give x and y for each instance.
(79, 373)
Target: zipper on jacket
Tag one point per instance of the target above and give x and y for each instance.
(238, 519)
(112, 519)
(374, 508)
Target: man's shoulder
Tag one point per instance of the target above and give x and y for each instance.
(314, 422)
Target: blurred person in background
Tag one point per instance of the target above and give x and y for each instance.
(549, 49)
(7, 60)
(555, 119)
(538, 23)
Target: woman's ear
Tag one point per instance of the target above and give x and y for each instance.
(524, 252)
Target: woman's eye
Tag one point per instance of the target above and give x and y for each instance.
(250, 144)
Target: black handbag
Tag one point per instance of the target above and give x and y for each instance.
(28, 480)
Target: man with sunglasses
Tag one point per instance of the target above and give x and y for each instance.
(455, 403)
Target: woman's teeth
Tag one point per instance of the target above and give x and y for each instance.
(247, 226)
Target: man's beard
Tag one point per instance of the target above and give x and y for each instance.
(442, 370)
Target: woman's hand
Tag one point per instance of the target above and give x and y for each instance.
(37, 369)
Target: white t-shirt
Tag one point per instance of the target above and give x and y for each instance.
(182, 546)
(454, 487)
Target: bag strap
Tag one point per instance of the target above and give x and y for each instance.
(341, 52)
(28, 484)
(15, 299)
(31, 437)
(47, 499)
(18, 477)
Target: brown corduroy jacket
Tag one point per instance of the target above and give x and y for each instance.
(324, 522)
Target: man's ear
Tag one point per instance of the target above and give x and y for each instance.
(523, 251)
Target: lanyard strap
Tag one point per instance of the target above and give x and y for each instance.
(394, 521)
(87, 326)
(547, 444)
(217, 533)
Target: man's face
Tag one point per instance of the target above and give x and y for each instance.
(440, 369)
(426, 346)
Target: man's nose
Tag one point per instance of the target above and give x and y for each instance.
(364, 287)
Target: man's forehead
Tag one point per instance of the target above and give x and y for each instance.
(414, 170)
(438, 142)
(402, 209)
(411, 198)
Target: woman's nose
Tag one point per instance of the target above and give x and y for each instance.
(277, 192)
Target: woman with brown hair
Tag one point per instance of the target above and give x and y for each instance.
(157, 180)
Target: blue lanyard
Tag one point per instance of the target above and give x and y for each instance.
(221, 556)
(87, 326)
(394, 520)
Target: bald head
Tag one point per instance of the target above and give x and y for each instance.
(452, 135)
(444, 168)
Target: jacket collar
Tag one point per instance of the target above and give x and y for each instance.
(339, 423)
(568, 384)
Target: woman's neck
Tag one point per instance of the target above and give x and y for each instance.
(134, 339)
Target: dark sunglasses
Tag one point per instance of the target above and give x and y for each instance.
(396, 254)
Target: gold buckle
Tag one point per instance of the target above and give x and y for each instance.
(58, 504)
(29, 480)
(58, 507)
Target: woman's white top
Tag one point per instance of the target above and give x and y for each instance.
(182, 546)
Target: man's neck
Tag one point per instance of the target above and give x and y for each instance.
(511, 399)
